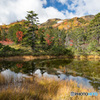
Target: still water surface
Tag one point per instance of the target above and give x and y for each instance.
(84, 72)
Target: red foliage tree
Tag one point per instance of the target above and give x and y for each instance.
(8, 40)
(71, 44)
(71, 40)
(49, 39)
(19, 35)
(19, 65)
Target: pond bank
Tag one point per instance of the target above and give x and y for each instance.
(52, 89)
(27, 58)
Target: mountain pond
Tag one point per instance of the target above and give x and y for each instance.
(83, 72)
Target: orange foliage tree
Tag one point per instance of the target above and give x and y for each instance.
(19, 35)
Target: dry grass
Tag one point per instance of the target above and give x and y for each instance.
(2, 80)
(44, 89)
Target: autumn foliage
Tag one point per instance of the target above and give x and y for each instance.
(71, 44)
(65, 23)
(19, 35)
(6, 42)
(49, 39)
(71, 40)
(19, 65)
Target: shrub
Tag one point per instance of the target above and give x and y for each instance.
(1, 45)
(92, 46)
(60, 50)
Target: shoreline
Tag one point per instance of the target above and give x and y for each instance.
(52, 89)
(30, 57)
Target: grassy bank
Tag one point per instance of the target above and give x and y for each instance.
(35, 88)
(19, 52)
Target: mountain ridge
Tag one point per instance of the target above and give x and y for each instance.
(67, 23)
(58, 23)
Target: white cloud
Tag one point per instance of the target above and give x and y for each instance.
(54, 13)
(12, 10)
(81, 7)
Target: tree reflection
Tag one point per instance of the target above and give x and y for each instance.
(75, 68)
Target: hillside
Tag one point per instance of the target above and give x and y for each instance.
(68, 23)
(58, 23)
(56, 36)
(11, 24)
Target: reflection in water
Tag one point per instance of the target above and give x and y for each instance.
(86, 73)
(78, 79)
(19, 65)
(8, 74)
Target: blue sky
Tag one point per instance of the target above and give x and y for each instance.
(55, 4)
(13, 10)
(58, 5)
